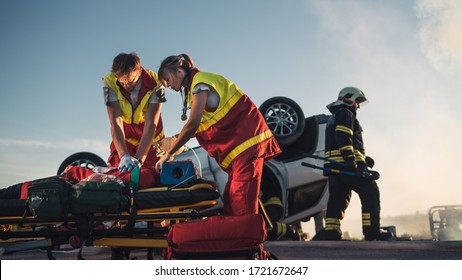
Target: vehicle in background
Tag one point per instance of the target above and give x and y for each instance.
(291, 193)
(446, 222)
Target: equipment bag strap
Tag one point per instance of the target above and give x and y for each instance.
(135, 179)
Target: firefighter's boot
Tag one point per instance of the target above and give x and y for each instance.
(383, 234)
(372, 230)
(282, 231)
(332, 231)
(380, 236)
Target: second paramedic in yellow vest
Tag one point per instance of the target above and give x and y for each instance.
(134, 100)
(227, 124)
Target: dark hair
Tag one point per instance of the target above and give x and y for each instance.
(171, 63)
(125, 63)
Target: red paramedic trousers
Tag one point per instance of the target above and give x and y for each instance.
(243, 186)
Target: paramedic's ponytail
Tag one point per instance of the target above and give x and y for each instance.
(186, 62)
(172, 63)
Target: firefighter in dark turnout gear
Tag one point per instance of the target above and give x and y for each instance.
(344, 150)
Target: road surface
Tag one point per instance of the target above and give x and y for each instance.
(287, 250)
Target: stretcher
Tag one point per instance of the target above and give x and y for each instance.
(144, 224)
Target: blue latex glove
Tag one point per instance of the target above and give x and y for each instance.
(128, 163)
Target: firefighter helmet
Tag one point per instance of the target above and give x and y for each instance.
(348, 96)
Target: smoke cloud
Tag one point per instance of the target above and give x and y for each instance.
(439, 33)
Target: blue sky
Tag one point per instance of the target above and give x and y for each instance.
(405, 55)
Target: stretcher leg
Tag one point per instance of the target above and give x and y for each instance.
(150, 255)
(50, 253)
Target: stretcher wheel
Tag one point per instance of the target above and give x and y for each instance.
(74, 241)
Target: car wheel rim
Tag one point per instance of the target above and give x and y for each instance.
(84, 163)
(281, 119)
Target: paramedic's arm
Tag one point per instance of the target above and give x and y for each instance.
(151, 120)
(189, 129)
(115, 119)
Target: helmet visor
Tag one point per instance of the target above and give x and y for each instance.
(361, 99)
(364, 102)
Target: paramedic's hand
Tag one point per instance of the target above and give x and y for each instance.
(164, 158)
(128, 163)
(166, 143)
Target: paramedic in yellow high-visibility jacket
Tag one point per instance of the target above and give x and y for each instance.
(227, 124)
(134, 98)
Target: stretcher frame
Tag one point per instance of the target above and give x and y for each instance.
(89, 230)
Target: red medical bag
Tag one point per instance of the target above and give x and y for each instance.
(218, 237)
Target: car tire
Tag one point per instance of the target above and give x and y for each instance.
(82, 159)
(285, 118)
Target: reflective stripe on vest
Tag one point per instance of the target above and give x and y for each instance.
(229, 95)
(208, 120)
(135, 142)
(336, 155)
(215, 125)
(244, 146)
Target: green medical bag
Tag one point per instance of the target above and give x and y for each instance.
(97, 197)
(48, 197)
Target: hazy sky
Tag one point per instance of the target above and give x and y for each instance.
(405, 55)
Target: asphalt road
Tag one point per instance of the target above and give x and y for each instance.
(287, 250)
(363, 250)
